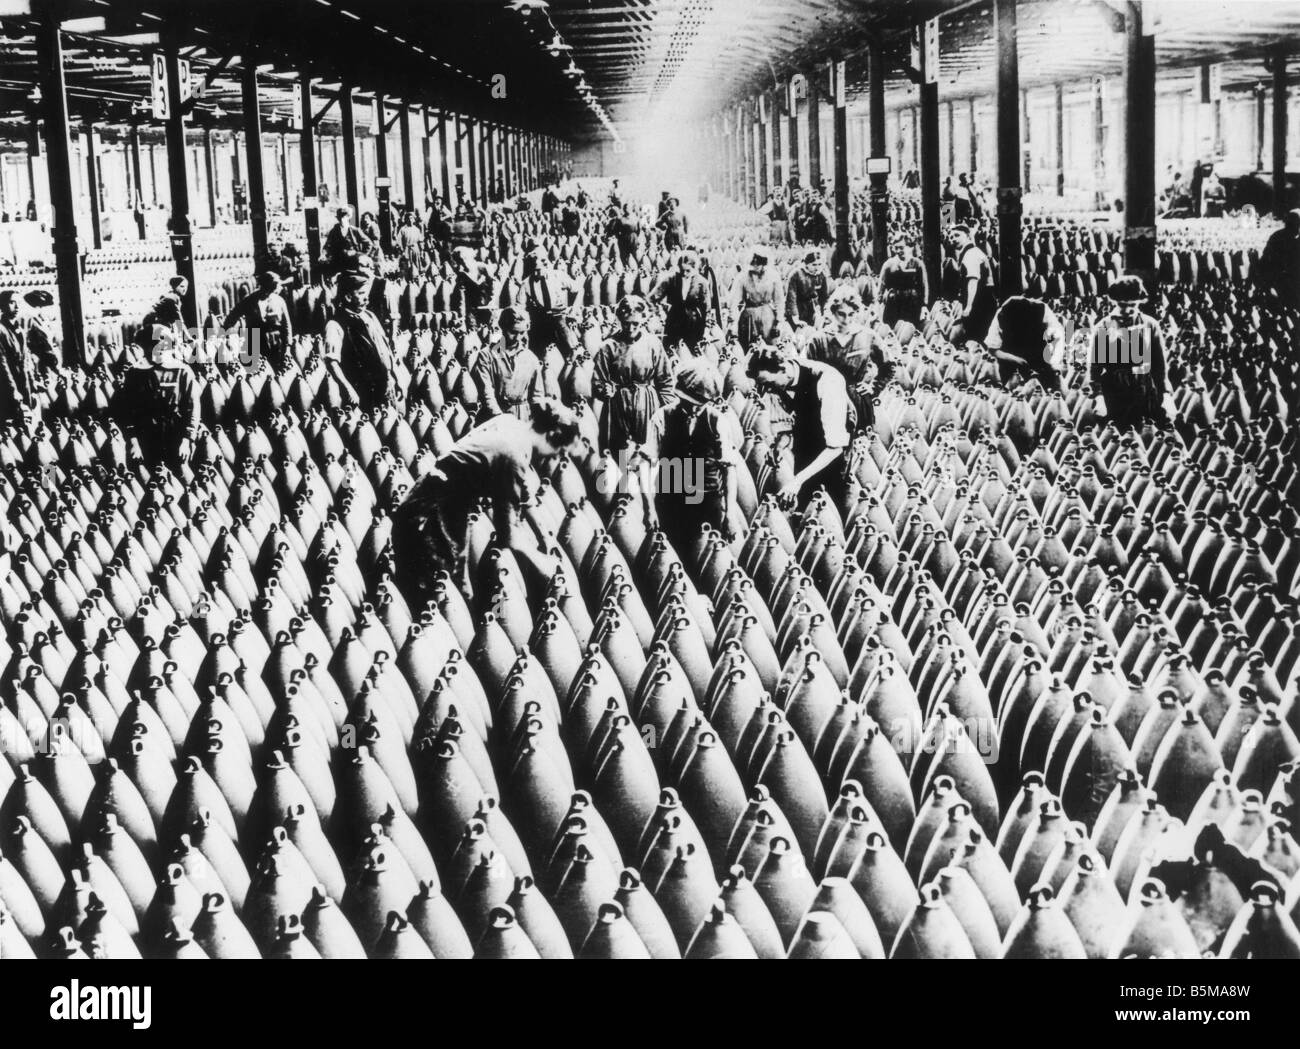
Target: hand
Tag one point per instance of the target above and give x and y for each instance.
(789, 493)
(864, 389)
(186, 450)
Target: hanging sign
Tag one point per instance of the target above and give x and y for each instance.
(158, 86)
(295, 108)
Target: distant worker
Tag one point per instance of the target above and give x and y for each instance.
(157, 405)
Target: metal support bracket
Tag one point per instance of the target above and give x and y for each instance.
(315, 120)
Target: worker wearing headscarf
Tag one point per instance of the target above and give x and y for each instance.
(40, 338)
(693, 451)
(266, 316)
(807, 291)
(1126, 363)
(755, 299)
(17, 380)
(1028, 341)
(633, 375)
(356, 345)
(493, 463)
(849, 346)
(157, 403)
(510, 375)
(548, 295)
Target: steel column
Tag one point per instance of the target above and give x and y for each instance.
(311, 205)
(178, 176)
(67, 252)
(1009, 158)
(348, 118)
(208, 168)
(383, 189)
(137, 205)
(93, 187)
(840, 131)
(253, 161)
(879, 181)
(404, 130)
(1140, 146)
(1279, 131)
(814, 132)
(931, 234)
(1060, 140)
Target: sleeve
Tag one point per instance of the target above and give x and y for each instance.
(792, 301)
(660, 290)
(485, 379)
(1158, 372)
(665, 376)
(601, 372)
(654, 433)
(514, 490)
(834, 398)
(993, 340)
(333, 338)
(823, 292)
(1053, 339)
(970, 266)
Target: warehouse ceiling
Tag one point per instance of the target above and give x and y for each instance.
(583, 69)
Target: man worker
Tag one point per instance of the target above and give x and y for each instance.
(1028, 341)
(492, 462)
(979, 303)
(40, 337)
(345, 244)
(510, 375)
(687, 296)
(815, 399)
(904, 286)
(547, 296)
(157, 405)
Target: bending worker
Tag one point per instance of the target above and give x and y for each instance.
(492, 462)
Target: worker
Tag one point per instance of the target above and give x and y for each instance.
(344, 244)
(17, 378)
(692, 451)
(548, 296)
(40, 338)
(570, 217)
(157, 404)
(474, 283)
(1028, 341)
(673, 222)
(510, 375)
(1279, 264)
(491, 462)
(904, 286)
(356, 346)
(687, 296)
(806, 292)
(633, 375)
(755, 296)
(849, 346)
(1126, 362)
(265, 315)
(816, 402)
(979, 303)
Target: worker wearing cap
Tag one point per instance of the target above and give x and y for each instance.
(510, 376)
(40, 340)
(266, 316)
(979, 303)
(344, 244)
(633, 375)
(692, 451)
(755, 299)
(1028, 341)
(672, 220)
(820, 418)
(1126, 361)
(17, 381)
(494, 463)
(157, 405)
(904, 287)
(687, 296)
(357, 347)
(548, 295)
(848, 345)
(806, 292)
